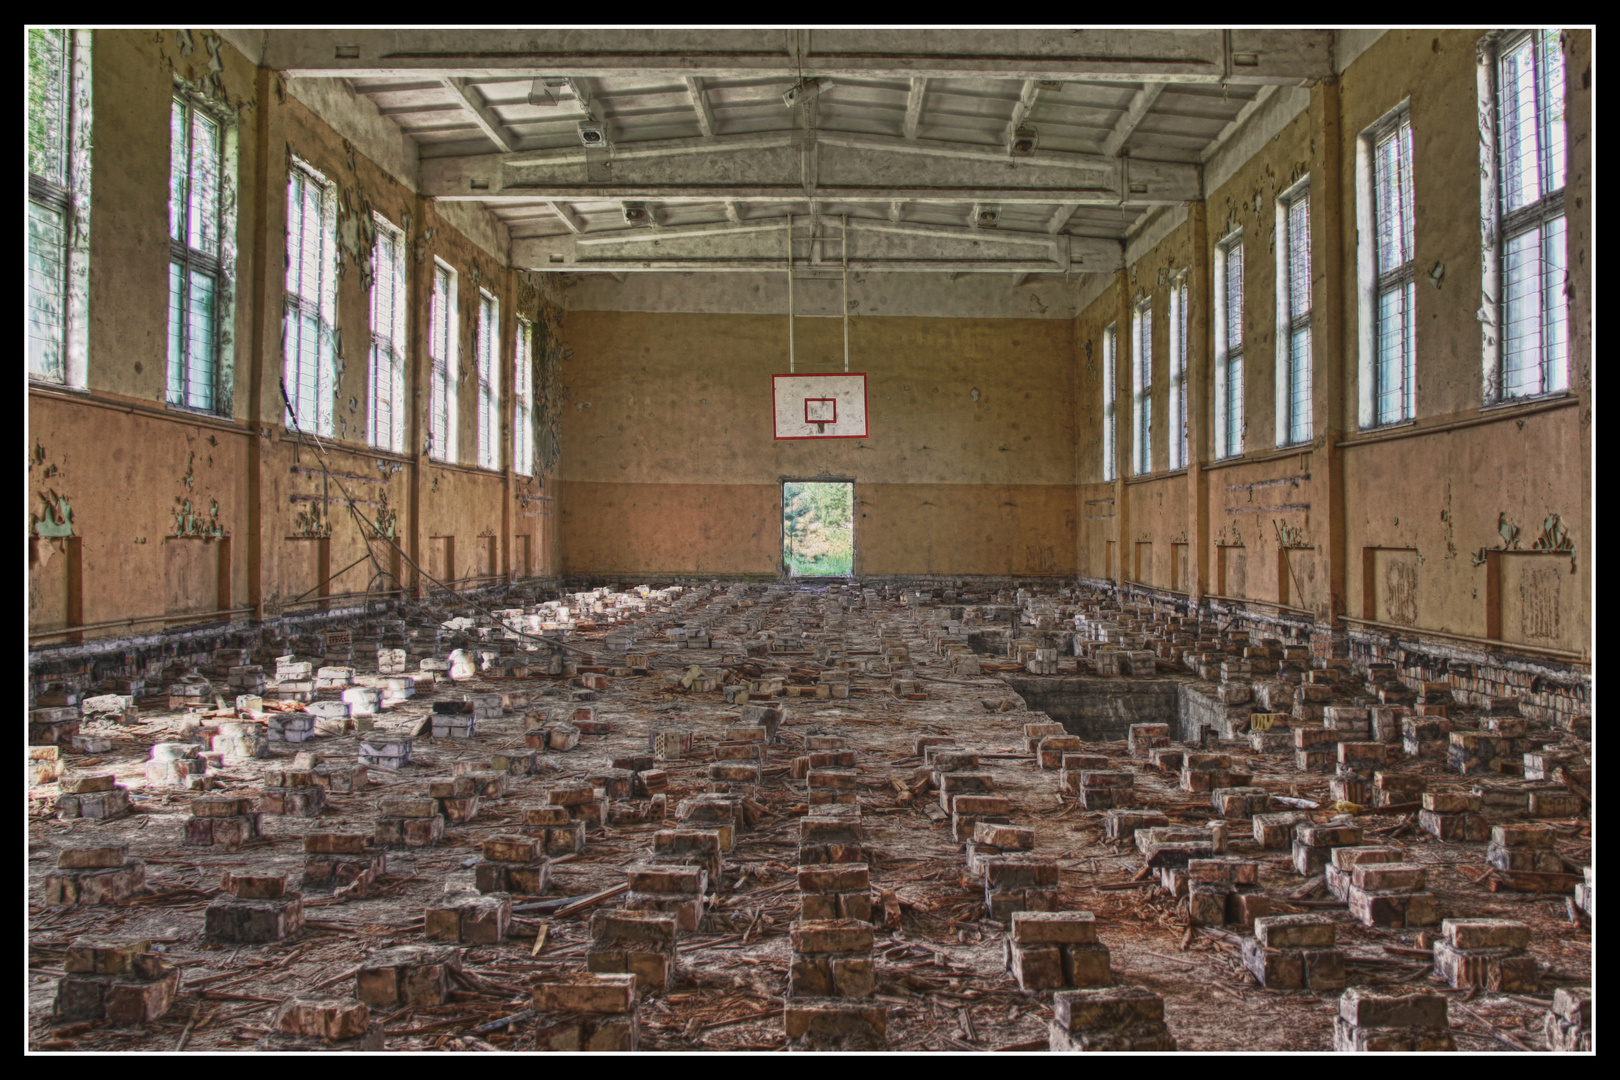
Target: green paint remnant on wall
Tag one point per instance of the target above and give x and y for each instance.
(57, 521)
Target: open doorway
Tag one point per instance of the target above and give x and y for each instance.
(818, 528)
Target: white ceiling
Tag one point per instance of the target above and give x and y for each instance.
(911, 129)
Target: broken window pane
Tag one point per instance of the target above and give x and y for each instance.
(489, 424)
(46, 290)
(48, 105)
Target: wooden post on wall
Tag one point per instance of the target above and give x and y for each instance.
(1330, 372)
(1199, 300)
(1123, 428)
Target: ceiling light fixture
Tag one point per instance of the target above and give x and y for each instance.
(803, 92)
(541, 91)
(1022, 143)
(636, 213)
(593, 133)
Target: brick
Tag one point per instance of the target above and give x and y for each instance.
(1054, 927)
(1011, 837)
(835, 877)
(836, 1023)
(832, 936)
(584, 992)
(1079, 1010)
(1486, 933)
(1390, 877)
(1294, 931)
(648, 928)
(1366, 1006)
(104, 956)
(238, 921)
(1328, 835)
(84, 785)
(1346, 858)
(336, 843)
(249, 887)
(513, 849)
(407, 806)
(218, 807)
(323, 1018)
(92, 858)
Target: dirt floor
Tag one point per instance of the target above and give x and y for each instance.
(941, 970)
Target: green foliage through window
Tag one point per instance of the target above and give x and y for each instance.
(818, 529)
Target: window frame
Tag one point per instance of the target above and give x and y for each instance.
(1110, 347)
(219, 265)
(1178, 370)
(388, 350)
(1229, 358)
(322, 308)
(443, 306)
(523, 399)
(1374, 285)
(489, 380)
(1142, 386)
(1500, 226)
(1290, 323)
(69, 201)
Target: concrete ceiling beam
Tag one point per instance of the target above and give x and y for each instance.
(567, 216)
(1256, 56)
(700, 104)
(1135, 113)
(873, 244)
(914, 104)
(482, 114)
(770, 168)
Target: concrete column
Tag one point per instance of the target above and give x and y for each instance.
(1123, 431)
(419, 287)
(1200, 299)
(506, 364)
(1330, 274)
(264, 405)
(1580, 261)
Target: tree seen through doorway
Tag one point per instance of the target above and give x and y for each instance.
(818, 529)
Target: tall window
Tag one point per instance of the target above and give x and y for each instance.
(1529, 253)
(196, 231)
(1229, 347)
(489, 381)
(442, 353)
(310, 324)
(58, 203)
(1388, 295)
(523, 400)
(1110, 389)
(387, 414)
(1294, 317)
(1178, 372)
(1142, 388)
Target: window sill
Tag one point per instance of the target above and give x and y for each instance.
(188, 410)
(1393, 425)
(476, 470)
(1524, 401)
(37, 383)
(1150, 477)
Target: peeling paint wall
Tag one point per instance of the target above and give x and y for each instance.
(671, 465)
(175, 512)
(1433, 497)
